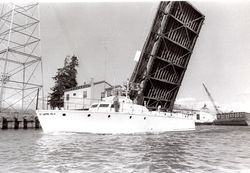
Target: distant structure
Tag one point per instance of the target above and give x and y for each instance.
(81, 97)
(109, 91)
(211, 99)
(20, 57)
(166, 53)
(233, 119)
(228, 118)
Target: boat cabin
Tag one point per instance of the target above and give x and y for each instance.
(125, 105)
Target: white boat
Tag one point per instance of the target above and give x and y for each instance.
(102, 118)
(203, 118)
(200, 117)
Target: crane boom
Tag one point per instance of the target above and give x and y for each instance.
(211, 98)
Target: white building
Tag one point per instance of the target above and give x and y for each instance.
(81, 97)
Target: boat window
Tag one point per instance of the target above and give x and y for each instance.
(104, 105)
(85, 94)
(112, 106)
(94, 106)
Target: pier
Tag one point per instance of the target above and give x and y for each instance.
(16, 122)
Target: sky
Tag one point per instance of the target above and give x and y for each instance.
(106, 35)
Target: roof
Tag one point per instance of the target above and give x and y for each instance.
(87, 85)
(113, 87)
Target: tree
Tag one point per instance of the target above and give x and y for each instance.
(65, 78)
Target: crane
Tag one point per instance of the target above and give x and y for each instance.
(211, 98)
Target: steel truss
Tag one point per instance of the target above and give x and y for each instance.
(20, 57)
(166, 53)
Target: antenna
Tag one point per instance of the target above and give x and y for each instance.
(20, 57)
(104, 42)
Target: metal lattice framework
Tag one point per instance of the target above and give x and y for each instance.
(20, 60)
(166, 53)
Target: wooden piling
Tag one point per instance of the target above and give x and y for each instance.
(25, 123)
(19, 122)
(4, 123)
(16, 123)
(37, 123)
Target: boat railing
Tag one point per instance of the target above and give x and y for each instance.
(72, 104)
(125, 107)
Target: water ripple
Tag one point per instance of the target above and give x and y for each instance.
(208, 149)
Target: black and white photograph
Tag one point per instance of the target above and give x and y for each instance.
(125, 86)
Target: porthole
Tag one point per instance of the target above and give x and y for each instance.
(130, 117)
(108, 116)
(89, 115)
(63, 114)
(144, 118)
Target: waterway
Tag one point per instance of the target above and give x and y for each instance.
(215, 149)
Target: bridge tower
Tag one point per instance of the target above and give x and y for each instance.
(20, 57)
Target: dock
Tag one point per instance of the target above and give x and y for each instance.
(16, 121)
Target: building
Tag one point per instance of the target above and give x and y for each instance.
(81, 97)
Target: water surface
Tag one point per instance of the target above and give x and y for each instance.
(216, 149)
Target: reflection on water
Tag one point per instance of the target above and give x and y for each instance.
(208, 149)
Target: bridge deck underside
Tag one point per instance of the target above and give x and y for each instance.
(166, 54)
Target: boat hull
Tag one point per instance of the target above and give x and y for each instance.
(110, 123)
